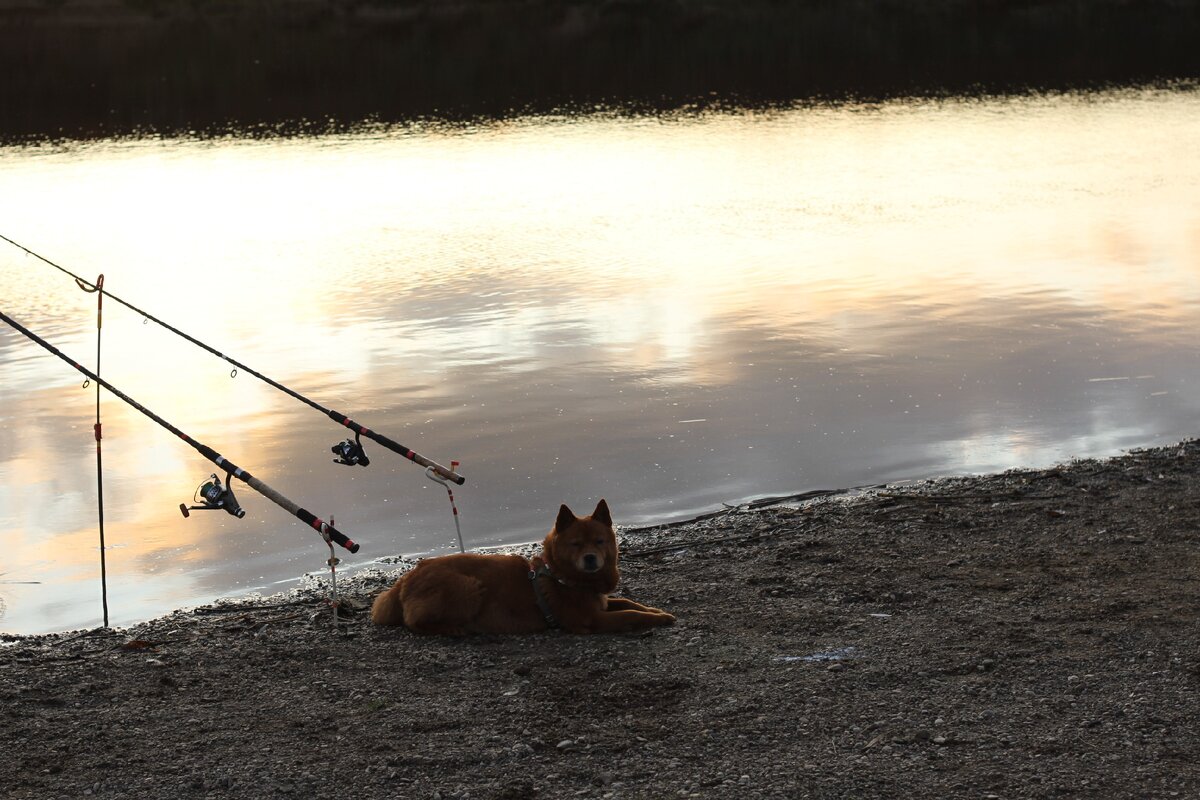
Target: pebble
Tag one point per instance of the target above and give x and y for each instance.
(565, 744)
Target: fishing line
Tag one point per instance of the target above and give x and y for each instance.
(348, 452)
(327, 531)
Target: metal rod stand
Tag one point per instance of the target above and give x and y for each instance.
(334, 601)
(436, 477)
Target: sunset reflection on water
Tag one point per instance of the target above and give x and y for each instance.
(669, 312)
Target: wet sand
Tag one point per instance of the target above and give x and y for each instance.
(1028, 634)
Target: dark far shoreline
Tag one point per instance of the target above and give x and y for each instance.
(80, 69)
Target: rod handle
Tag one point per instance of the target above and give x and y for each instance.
(340, 538)
(396, 447)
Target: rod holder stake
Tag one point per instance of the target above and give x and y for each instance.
(334, 601)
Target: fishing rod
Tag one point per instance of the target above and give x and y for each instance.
(327, 531)
(348, 452)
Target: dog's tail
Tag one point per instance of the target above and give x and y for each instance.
(387, 609)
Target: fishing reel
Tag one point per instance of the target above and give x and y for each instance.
(350, 453)
(212, 495)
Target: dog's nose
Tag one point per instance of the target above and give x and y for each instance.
(591, 563)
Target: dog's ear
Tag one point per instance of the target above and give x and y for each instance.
(565, 518)
(601, 513)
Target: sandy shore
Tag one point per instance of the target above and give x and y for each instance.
(1030, 634)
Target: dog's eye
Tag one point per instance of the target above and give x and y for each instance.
(599, 543)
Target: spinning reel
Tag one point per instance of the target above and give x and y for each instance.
(350, 452)
(211, 495)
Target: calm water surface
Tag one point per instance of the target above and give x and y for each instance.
(669, 312)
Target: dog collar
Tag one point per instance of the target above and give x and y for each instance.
(538, 569)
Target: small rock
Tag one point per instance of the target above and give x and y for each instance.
(565, 744)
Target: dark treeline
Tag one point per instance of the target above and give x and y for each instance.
(77, 68)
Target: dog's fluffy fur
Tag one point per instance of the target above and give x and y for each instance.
(475, 593)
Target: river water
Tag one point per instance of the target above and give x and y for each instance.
(670, 312)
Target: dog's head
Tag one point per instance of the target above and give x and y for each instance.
(583, 550)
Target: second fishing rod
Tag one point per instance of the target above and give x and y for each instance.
(228, 502)
(347, 452)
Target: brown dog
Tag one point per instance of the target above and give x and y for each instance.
(567, 587)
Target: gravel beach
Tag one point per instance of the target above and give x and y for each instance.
(1028, 634)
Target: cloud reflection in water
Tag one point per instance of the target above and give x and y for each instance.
(669, 313)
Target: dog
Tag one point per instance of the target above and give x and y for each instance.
(567, 586)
